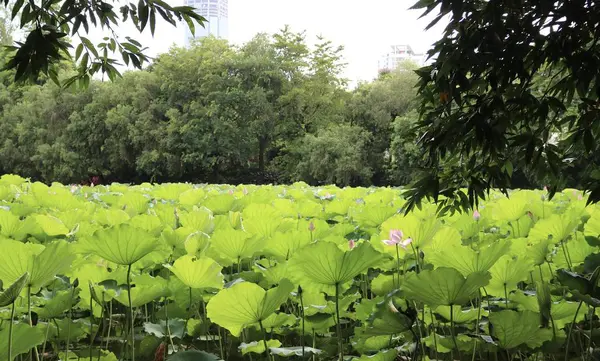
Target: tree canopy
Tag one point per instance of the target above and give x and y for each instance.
(52, 26)
(275, 109)
(513, 86)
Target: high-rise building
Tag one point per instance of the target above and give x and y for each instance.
(216, 14)
(398, 54)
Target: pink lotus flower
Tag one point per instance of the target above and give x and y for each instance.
(311, 226)
(351, 244)
(476, 215)
(245, 191)
(396, 239)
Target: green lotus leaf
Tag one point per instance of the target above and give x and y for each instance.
(387, 355)
(420, 230)
(506, 274)
(325, 265)
(77, 329)
(460, 315)
(444, 286)
(198, 273)
(387, 320)
(257, 346)
(24, 338)
(383, 284)
(466, 260)
(577, 251)
(142, 295)
(58, 304)
(277, 320)
(234, 245)
(372, 215)
(555, 228)
(316, 303)
(176, 238)
(445, 344)
(260, 220)
(192, 355)
(176, 328)
(42, 263)
(192, 197)
(319, 323)
(196, 243)
(537, 251)
(134, 203)
(195, 327)
(294, 351)
(246, 303)
(510, 209)
(283, 245)
(148, 223)
(199, 220)
(111, 216)
(12, 292)
(582, 288)
(220, 204)
(10, 225)
(51, 225)
(513, 329)
(121, 244)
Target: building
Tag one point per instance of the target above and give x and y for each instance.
(216, 13)
(398, 54)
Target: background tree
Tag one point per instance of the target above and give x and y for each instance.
(483, 112)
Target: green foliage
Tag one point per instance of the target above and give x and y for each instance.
(505, 98)
(301, 269)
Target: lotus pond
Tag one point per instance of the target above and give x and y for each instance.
(218, 272)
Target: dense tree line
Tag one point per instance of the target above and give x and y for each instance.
(273, 110)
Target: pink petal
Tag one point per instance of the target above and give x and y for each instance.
(389, 242)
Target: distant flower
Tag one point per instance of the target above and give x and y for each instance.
(476, 215)
(579, 197)
(311, 226)
(351, 244)
(231, 191)
(546, 189)
(74, 188)
(530, 214)
(245, 191)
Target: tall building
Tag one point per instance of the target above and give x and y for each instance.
(216, 13)
(398, 54)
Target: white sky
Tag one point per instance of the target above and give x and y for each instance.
(366, 29)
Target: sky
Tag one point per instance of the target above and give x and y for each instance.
(366, 29)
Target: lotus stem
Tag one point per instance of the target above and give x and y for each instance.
(35, 351)
(109, 323)
(91, 325)
(571, 331)
(264, 334)
(167, 323)
(301, 315)
(45, 338)
(314, 343)
(419, 327)
(220, 343)
(567, 258)
(131, 320)
(398, 266)
(10, 329)
(452, 330)
(191, 314)
(434, 335)
(591, 328)
(476, 325)
(338, 325)
(505, 296)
